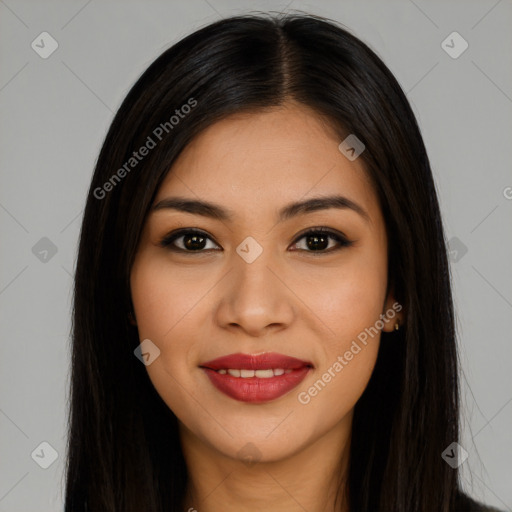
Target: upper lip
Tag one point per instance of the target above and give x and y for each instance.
(266, 361)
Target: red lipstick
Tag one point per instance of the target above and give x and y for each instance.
(256, 378)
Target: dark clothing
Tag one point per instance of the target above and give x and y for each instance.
(467, 504)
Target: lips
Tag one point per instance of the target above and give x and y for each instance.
(256, 378)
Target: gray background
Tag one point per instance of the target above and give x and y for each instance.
(54, 116)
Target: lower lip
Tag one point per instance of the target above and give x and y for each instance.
(254, 389)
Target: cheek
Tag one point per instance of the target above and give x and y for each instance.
(161, 302)
(164, 296)
(348, 357)
(164, 302)
(350, 298)
(349, 303)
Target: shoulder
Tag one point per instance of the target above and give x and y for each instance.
(467, 504)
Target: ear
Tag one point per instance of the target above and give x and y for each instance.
(393, 313)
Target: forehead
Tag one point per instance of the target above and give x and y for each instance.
(267, 158)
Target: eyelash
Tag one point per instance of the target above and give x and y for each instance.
(168, 240)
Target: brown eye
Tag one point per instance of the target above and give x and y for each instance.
(318, 240)
(187, 241)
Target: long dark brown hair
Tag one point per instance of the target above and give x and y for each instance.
(124, 452)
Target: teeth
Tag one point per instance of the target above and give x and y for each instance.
(264, 374)
(247, 374)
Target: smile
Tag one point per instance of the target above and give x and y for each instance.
(256, 378)
(261, 374)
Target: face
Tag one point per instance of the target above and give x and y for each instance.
(257, 280)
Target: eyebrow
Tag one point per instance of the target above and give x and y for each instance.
(216, 211)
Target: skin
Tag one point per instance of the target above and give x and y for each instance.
(309, 305)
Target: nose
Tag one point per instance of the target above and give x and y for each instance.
(255, 298)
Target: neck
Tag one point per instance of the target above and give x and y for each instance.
(310, 479)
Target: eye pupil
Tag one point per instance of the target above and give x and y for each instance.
(314, 240)
(194, 242)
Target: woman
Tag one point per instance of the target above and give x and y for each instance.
(263, 316)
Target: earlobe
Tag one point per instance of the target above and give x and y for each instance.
(393, 314)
